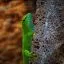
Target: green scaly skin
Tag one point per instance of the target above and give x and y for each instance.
(28, 30)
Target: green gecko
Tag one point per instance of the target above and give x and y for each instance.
(27, 35)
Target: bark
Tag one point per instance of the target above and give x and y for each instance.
(49, 39)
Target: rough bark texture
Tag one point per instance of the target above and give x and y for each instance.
(49, 39)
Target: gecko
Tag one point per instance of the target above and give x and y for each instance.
(27, 35)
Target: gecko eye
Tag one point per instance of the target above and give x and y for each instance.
(24, 19)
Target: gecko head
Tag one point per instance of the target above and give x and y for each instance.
(28, 21)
